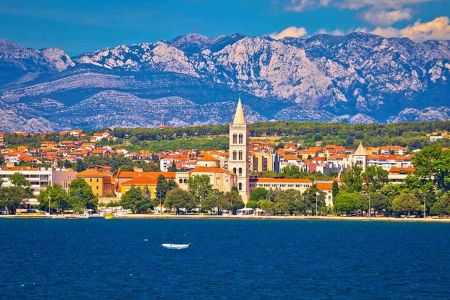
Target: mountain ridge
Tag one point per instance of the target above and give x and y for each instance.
(357, 78)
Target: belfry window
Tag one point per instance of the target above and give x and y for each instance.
(235, 138)
(240, 171)
(234, 155)
(240, 186)
(241, 138)
(234, 170)
(240, 155)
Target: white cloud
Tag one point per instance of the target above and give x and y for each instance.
(302, 5)
(289, 32)
(383, 17)
(437, 29)
(376, 12)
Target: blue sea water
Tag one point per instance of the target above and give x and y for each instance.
(238, 259)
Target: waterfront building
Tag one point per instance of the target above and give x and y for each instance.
(142, 183)
(39, 178)
(398, 175)
(100, 182)
(299, 184)
(238, 160)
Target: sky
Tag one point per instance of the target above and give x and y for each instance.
(78, 26)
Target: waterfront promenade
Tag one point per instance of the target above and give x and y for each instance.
(233, 217)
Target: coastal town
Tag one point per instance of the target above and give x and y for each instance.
(252, 177)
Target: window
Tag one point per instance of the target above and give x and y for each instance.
(180, 180)
(241, 138)
(240, 186)
(235, 138)
(234, 155)
(185, 180)
(240, 155)
(240, 171)
(234, 170)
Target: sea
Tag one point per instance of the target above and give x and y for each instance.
(227, 259)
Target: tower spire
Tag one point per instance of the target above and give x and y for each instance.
(239, 118)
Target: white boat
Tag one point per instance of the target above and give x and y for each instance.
(176, 246)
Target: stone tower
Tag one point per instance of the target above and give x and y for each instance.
(238, 162)
(359, 158)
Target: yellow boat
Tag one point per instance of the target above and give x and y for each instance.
(109, 216)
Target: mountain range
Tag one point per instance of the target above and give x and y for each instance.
(194, 79)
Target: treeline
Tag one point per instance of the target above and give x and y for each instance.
(405, 134)
(426, 192)
(200, 196)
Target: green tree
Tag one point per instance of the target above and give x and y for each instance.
(252, 204)
(313, 196)
(374, 178)
(289, 201)
(215, 199)
(136, 200)
(80, 196)
(178, 198)
(163, 186)
(54, 196)
(233, 201)
(11, 197)
(335, 188)
(347, 202)
(442, 206)
(199, 187)
(432, 164)
(352, 179)
(266, 205)
(258, 194)
(380, 202)
(19, 180)
(406, 203)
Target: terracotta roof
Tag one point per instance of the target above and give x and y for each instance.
(399, 170)
(128, 174)
(91, 173)
(284, 180)
(208, 158)
(324, 186)
(209, 170)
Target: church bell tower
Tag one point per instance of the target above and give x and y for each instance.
(238, 161)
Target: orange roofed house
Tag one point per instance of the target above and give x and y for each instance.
(101, 183)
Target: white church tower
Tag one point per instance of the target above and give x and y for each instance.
(238, 161)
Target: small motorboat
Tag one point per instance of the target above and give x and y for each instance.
(176, 246)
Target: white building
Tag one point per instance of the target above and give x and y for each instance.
(39, 178)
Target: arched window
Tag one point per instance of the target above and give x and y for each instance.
(234, 170)
(234, 155)
(240, 155)
(240, 186)
(181, 180)
(240, 171)
(241, 138)
(235, 138)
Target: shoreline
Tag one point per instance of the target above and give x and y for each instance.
(234, 217)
